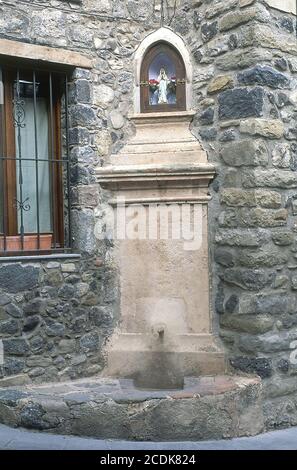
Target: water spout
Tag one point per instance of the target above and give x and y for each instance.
(162, 368)
(158, 331)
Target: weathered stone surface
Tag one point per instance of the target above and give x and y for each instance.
(227, 136)
(208, 134)
(263, 75)
(236, 59)
(249, 279)
(262, 258)
(18, 277)
(258, 217)
(241, 103)
(245, 153)
(231, 304)
(31, 324)
(55, 329)
(31, 417)
(220, 83)
(206, 117)
(245, 3)
(13, 366)
(117, 119)
(103, 95)
(273, 129)
(35, 306)
(268, 37)
(101, 316)
(268, 199)
(38, 361)
(224, 257)
(68, 268)
(82, 91)
(220, 7)
(261, 366)
(282, 156)
(36, 372)
(83, 154)
(4, 300)
(90, 341)
(83, 115)
(238, 197)
(67, 346)
(272, 304)
(79, 175)
(281, 282)
(293, 65)
(239, 238)
(283, 238)
(209, 30)
(281, 64)
(109, 411)
(78, 135)
(14, 311)
(84, 238)
(247, 323)
(294, 283)
(237, 18)
(16, 346)
(270, 178)
(9, 327)
(266, 343)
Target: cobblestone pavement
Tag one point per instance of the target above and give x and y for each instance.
(18, 439)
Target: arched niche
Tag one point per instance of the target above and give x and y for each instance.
(166, 38)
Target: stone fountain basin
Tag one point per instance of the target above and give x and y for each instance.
(207, 408)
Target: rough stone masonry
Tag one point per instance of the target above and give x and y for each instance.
(55, 316)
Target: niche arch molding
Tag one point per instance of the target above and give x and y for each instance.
(167, 36)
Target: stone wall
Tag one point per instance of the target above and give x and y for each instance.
(247, 120)
(54, 319)
(245, 62)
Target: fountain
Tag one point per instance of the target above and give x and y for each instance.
(165, 377)
(163, 280)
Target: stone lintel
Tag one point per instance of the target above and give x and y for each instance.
(43, 54)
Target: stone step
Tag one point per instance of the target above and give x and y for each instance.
(211, 407)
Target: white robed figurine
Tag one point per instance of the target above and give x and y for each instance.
(163, 82)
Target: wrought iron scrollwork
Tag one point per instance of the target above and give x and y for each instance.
(19, 113)
(22, 205)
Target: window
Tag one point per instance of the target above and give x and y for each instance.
(34, 182)
(163, 84)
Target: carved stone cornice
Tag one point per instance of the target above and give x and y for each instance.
(162, 156)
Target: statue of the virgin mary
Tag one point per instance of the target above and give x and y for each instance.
(163, 82)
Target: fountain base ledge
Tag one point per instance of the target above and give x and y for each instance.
(209, 407)
(196, 354)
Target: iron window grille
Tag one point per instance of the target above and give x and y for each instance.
(35, 213)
